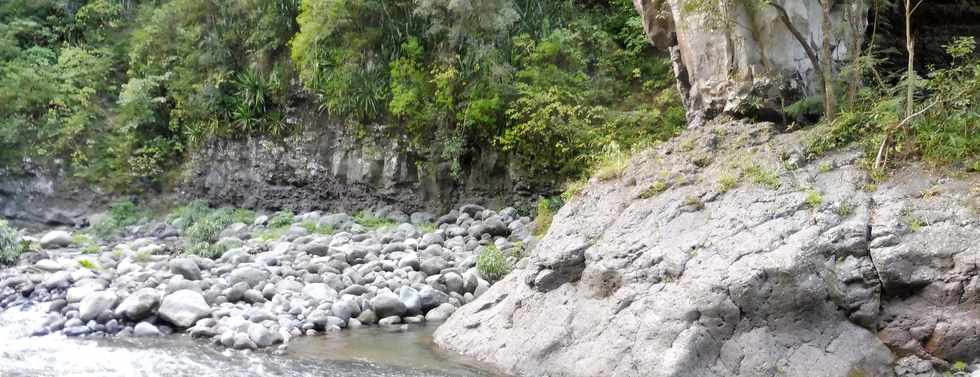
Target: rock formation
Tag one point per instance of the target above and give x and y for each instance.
(725, 253)
(336, 167)
(746, 61)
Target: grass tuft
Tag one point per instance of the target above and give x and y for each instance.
(814, 199)
(492, 264)
(657, 188)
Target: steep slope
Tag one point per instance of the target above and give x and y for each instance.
(715, 255)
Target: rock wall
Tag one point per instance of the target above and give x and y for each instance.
(735, 257)
(328, 166)
(749, 64)
(32, 194)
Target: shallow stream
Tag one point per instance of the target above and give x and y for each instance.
(351, 353)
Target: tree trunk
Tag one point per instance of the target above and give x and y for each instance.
(910, 72)
(827, 63)
(856, 11)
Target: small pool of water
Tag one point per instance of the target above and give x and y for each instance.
(354, 353)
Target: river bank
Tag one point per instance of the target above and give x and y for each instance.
(271, 280)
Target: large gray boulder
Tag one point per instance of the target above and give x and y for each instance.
(249, 275)
(55, 239)
(186, 268)
(387, 304)
(319, 292)
(95, 304)
(183, 308)
(749, 280)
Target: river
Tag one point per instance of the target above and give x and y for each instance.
(354, 353)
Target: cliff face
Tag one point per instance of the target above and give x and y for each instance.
(748, 62)
(39, 195)
(724, 254)
(329, 166)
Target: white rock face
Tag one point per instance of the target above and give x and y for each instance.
(757, 61)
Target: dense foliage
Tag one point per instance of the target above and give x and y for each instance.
(10, 245)
(122, 90)
(945, 130)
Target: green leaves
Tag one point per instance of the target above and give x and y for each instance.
(492, 264)
(10, 245)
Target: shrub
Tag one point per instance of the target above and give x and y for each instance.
(573, 188)
(315, 228)
(427, 227)
(206, 230)
(87, 244)
(282, 219)
(10, 245)
(913, 222)
(121, 214)
(142, 256)
(727, 182)
(86, 263)
(814, 199)
(547, 207)
(492, 264)
(370, 221)
(204, 250)
(190, 213)
(655, 189)
(694, 202)
(763, 176)
(613, 162)
(243, 215)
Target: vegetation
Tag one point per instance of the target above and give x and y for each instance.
(87, 263)
(655, 189)
(845, 208)
(613, 162)
(813, 199)
(203, 225)
(943, 132)
(762, 176)
(121, 214)
(122, 91)
(547, 207)
(315, 228)
(372, 222)
(727, 182)
(85, 242)
(10, 245)
(694, 202)
(930, 115)
(427, 227)
(492, 264)
(913, 222)
(282, 219)
(277, 226)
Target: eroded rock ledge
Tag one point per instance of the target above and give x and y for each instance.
(725, 274)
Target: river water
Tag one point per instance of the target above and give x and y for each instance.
(351, 353)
